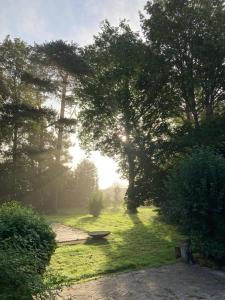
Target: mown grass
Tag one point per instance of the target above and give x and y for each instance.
(136, 241)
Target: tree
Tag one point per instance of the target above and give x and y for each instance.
(124, 103)
(187, 39)
(64, 65)
(116, 192)
(21, 113)
(190, 37)
(108, 101)
(194, 201)
(85, 183)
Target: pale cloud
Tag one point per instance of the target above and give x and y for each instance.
(81, 35)
(78, 20)
(23, 19)
(99, 10)
(127, 9)
(33, 24)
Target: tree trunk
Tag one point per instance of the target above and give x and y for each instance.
(192, 105)
(195, 116)
(187, 112)
(14, 157)
(60, 139)
(190, 108)
(189, 93)
(62, 112)
(39, 190)
(131, 201)
(208, 110)
(40, 167)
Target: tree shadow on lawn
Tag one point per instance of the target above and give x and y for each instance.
(150, 244)
(87, 220)
(97, 241)
(145, 244)
(135, 242)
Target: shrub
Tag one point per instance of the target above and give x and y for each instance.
(21, 227)
(195, 201)
(20, 279)
(26, 246)
(95, 204)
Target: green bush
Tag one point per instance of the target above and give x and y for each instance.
(21, 227)
(95, 205)
(20, 279)
(195, 201)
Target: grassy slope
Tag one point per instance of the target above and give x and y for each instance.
(135, 242)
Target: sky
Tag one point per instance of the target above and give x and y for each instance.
(70, 20)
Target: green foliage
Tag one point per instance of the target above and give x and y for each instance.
(20, 278)
(95, 204)
(113, 196)
(195, 200)
(26, 246)
(187, 40)
(34, 142)
(189, 35)
(113, 106)
(84, 183)
(21, 227)
(26, 137)
(62, 56)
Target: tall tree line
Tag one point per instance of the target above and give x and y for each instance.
(144, 100)
(148, 101)
(34, 138)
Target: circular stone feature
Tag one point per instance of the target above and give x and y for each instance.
(99, 234)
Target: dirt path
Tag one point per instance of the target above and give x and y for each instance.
(67, 234)
(171, 282)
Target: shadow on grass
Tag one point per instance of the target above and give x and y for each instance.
(150, 244)
(97, 241)
(145, 244)
(136, 241)
(88, 219)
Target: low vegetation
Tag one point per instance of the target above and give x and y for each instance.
(195, 201)
(26, 246)
(95, 204)
(136, 241)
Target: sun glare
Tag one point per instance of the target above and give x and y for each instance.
(107, 167)
(123, 138)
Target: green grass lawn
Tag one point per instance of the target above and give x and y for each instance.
(136, 241)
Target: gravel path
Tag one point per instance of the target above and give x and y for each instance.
(67, 234)
(170, 282)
